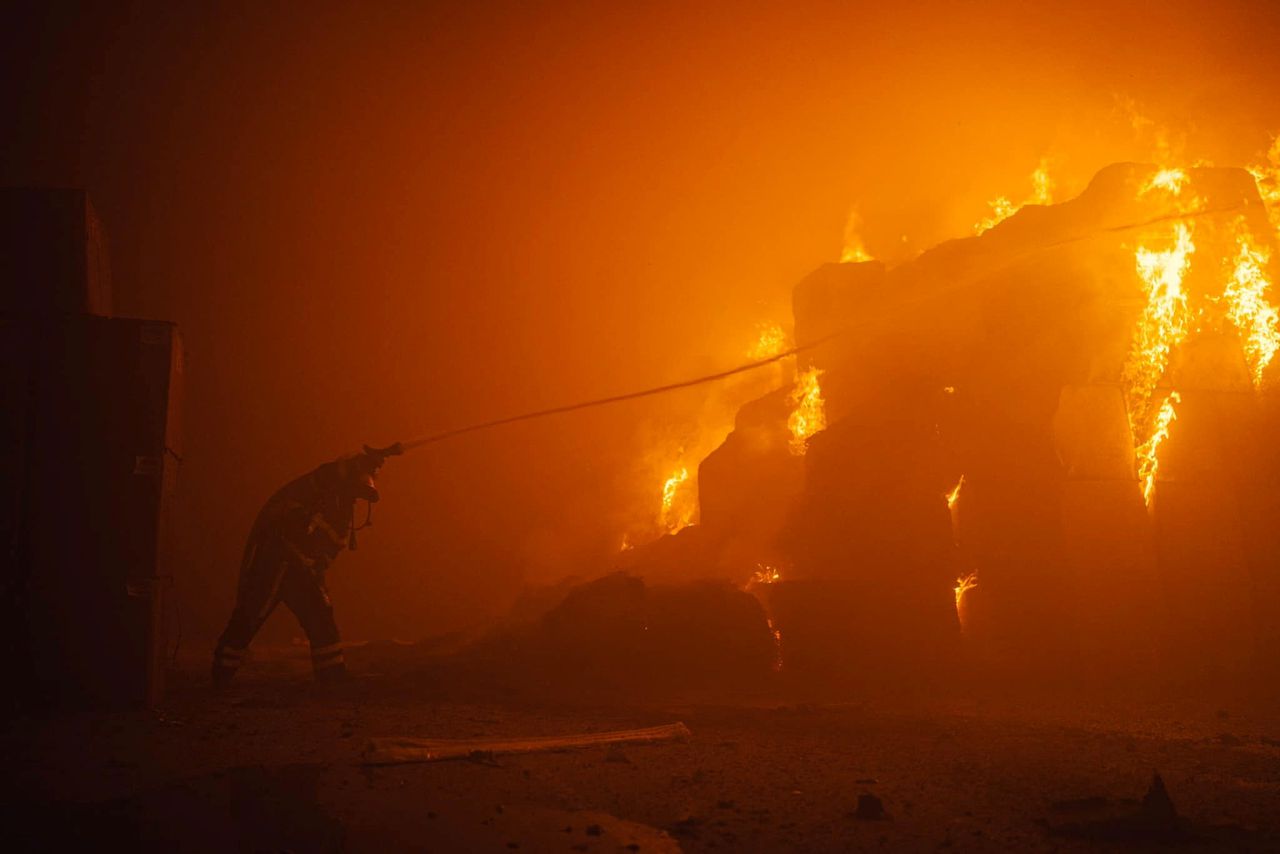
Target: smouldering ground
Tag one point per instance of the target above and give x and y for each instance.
(274, 764)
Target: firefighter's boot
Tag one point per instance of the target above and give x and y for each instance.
(329, 663)
(226, 661)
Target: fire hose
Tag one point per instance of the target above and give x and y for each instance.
(399, 448)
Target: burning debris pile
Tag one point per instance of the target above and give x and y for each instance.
(1057, 429)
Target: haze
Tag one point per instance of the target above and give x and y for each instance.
(371, 224)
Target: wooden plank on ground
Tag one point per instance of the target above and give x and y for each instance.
(391, 751)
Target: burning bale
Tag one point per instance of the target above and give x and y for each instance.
(1095, 374)
(1053, 432)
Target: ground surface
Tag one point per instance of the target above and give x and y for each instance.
(275, 764)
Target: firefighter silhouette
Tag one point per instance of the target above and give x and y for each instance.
(297, 535)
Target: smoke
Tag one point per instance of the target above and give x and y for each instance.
(372, 224)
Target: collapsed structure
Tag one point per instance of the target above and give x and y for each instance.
(1058, 433)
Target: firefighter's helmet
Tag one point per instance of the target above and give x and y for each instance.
(360, 470)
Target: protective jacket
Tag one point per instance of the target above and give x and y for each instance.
(313, 515)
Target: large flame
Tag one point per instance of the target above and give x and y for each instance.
(1148, 452)
(679, 501)
(1248, 306)
(1002, 208)
(1163, 326)
(809, 415)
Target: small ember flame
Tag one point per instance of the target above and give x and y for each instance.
(1148, 459)
(777, 645)
(1249, 308)
(765, 574)
(772, 341)
(1042, 187)
(854, 252)
(809, 415)
(768, 574)
(964, 584)
(954, 495)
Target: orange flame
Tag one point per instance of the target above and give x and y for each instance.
(1148, 458)
(764, 574)
(679, 501)
(771, 341)
(1249, 308)
(809, 415)
(678, 506)
(777, 644)
(1163, 326)
(1170, 180)
(854, 252)
(964, 584)
(768, 574)
(954, 495)
(1267, 176)
(1002, 208)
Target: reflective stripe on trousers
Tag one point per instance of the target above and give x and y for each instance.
(229, 657)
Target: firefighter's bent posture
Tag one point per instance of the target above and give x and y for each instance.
(297, 534)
